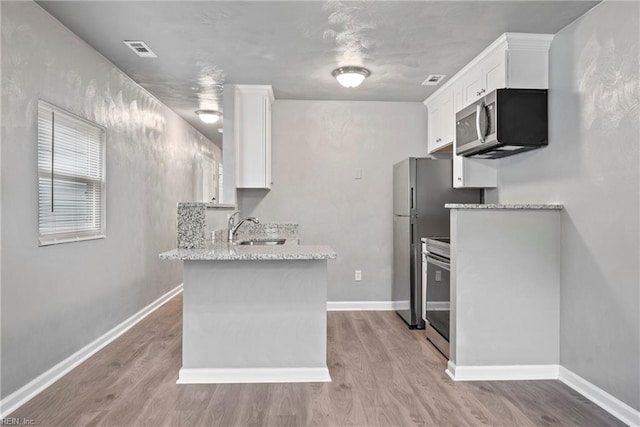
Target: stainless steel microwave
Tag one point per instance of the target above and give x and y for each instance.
(503, 123)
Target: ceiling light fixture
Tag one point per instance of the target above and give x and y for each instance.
(208, 116)
(350, 76)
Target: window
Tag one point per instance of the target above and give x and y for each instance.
(71, 178)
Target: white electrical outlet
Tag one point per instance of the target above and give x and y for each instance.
(358, 275)
(438, 276)
(358, 173)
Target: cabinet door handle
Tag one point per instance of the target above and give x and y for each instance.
(439, 139)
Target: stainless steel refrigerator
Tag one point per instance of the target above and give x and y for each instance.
(421, 187)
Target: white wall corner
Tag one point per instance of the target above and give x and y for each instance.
(27, 392)
(451, 370)
(606, 401)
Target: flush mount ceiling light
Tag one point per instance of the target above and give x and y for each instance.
(350, 76)
(208, 116)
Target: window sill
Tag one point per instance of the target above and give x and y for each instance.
(49, 242)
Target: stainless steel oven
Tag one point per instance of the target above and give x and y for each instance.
(437, 300)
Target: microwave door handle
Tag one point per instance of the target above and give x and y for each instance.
(479, 108)
(488, 129)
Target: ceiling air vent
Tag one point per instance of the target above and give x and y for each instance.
(140, 48)
(433, 79)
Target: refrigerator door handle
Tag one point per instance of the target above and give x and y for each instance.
(412, 198)
(411, 233)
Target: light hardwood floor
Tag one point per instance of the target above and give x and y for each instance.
(383, 375)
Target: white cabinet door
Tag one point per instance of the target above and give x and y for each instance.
(446, 119)
(267, 126)
(253, 135)
(494, 71)
(458, 164)
(474, 173)
(472, 85)
(433, 112)
(488, 75)
(440, 122)
(458, 171)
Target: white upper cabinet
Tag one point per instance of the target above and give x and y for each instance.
(252, 132)
(472, 87)
(488, 75)
(514, 60)
(440, 128)
(494, 71)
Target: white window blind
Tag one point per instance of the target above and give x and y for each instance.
(71, 177)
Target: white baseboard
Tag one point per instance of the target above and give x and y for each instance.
(382, 305)
(367, 305)
(253, 375)
(606, 401)
(27, 392)
(502, 373)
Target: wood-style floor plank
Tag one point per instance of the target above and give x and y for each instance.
(383, 375)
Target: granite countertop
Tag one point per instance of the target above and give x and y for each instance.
(223, 251)
(209, 205)
(505, 206)
(220, 206)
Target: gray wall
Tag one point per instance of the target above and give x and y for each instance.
(592, 167)
(59, 298)
(316, 148)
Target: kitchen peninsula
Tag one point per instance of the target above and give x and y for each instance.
(254, 313)
(505, 291)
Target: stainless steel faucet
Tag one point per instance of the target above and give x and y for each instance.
(233, 227)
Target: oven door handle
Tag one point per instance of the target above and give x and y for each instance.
(436, 262)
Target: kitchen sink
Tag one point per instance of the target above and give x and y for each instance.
(257, 242)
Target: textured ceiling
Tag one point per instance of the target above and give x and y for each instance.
(294, 45)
